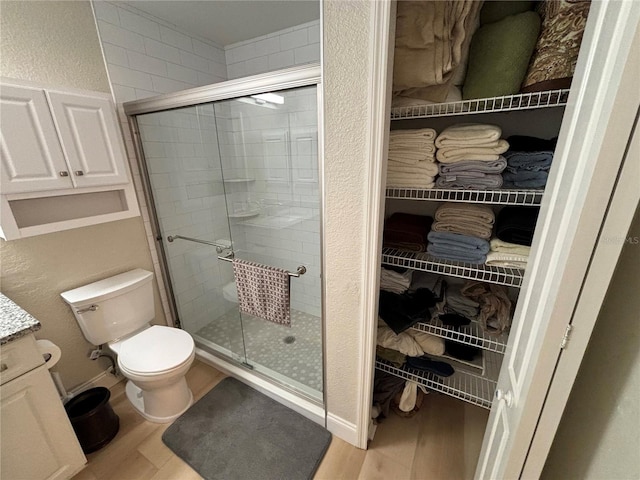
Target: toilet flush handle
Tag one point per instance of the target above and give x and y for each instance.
(91, 308)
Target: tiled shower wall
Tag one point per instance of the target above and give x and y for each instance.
(147, 56)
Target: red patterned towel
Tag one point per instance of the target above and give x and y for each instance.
(263, 291)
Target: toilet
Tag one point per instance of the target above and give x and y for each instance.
(116, 311)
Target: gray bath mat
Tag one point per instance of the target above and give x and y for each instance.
(236, 432)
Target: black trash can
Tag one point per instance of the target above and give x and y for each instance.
(92, 418)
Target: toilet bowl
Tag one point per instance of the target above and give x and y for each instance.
(117, 311)
(155, 362)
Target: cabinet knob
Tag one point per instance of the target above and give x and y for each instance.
(507, 397)
(79, 173)
(64, 174)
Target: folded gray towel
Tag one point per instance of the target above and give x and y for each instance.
(525, 179)
(478, 181)
(457, 247)
(529, 160)
(494, 166)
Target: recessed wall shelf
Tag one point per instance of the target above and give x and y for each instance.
(511, 277)
(521, 101)
(495, 197)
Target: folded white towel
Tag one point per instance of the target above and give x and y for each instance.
(499, 246)
(420, 168)
(410, 180)
(509, 260)
(469, 134)
(421, 133)
(489, 153)
(411, 157)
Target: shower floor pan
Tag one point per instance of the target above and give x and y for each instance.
(295, 352)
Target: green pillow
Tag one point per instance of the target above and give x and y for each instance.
(495, 11)
(499, 56)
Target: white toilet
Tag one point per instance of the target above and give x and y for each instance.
(155, 359)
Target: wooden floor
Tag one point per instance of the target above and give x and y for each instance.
(441, 442)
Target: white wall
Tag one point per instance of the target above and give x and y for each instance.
(346, 38)
(284, 48)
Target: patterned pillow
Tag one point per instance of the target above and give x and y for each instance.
(554, 60)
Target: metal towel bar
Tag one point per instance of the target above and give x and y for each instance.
(300, 271)
(219, 248)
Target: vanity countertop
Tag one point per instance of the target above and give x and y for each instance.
(14, 321)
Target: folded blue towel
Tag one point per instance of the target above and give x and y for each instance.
(525, 179)
(469, 180)
(495, 166)
(534, 161)
(457, 247)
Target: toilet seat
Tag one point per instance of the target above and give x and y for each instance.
(156, 350)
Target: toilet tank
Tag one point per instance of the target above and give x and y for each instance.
(114, 307)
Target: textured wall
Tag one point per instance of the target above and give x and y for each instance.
(346, 67)
(598, 435)
(56, 44)
(52, 42)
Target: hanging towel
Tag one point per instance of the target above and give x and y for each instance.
(263, 291)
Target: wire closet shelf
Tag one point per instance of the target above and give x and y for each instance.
(463, 384)
(521, 101)
(493, 197)
(511, 277)
(471, 334)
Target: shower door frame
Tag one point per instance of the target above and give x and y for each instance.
(295, 77)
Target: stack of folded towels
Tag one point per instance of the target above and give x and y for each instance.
(412, 158)
(528, 162)
(461, 232)
(395, 282)
(469, 156)
(514, 233)
(407, 232)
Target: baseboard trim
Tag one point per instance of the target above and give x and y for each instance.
(104, 379)
(339, 427)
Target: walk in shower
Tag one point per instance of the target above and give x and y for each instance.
(231, 170)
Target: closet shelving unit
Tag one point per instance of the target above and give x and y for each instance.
(465, 384)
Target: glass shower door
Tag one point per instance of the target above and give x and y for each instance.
(269, 153)
(183, 168)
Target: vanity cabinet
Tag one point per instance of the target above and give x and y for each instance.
(37, 439)
(58, 140)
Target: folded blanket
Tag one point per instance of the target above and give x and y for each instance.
(486, 153)
(510, 260)
(495, 166)
(407, 232)
(525, 179)
(500, 246)
(517, 224)
(495, 306)
(403, 342)
(534, 161)
(457, 247)
(455, 304)
(469, 135)
(471, 182)
(420, 168)
(395, 282)
(524, 143)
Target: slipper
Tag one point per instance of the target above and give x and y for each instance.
(441, 369)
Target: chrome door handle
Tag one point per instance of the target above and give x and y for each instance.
(507, 397)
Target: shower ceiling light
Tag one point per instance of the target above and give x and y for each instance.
(269, 97)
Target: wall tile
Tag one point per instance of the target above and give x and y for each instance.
(207, 51)
(176, 39)
(119, 36)
(116, 55)
(139, 24)
(307, 54)
(145, 63)
(236, 70)
(194, 61)
(281, 60)
(297, 38)
(161, 50)
(130, 78)
(106, 11)
(183, 74)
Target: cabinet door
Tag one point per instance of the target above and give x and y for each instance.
(38, 441)
(91, 139)
(31, 155)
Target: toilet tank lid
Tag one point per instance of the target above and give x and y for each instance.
(107, 288)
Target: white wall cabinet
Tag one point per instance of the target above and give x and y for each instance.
(58, 140)
(38, 441)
